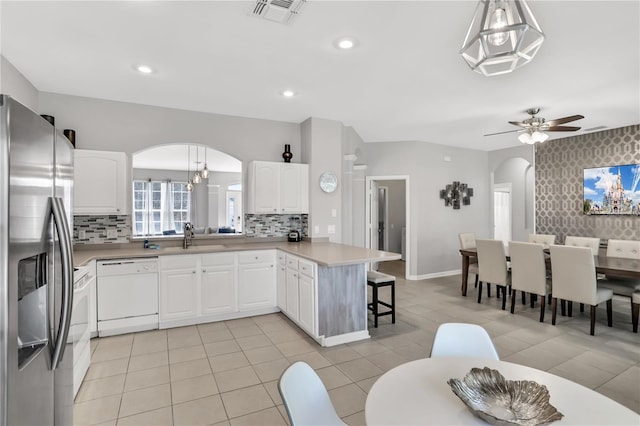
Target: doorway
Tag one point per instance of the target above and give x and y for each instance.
(387, 216)
(502, 212)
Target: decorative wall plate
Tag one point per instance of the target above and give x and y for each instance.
(328, 182)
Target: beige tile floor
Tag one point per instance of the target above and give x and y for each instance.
(227, 372)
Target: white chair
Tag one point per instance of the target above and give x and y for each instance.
(467, 241)
(305, 397)
(529, 273)
(592, 243)
(627, 249)
(462, 340)
(574, 279)
(492, 265)
(544, 239)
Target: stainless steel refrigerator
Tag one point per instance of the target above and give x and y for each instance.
(36, 269)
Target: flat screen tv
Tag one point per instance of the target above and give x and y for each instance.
(612, 190)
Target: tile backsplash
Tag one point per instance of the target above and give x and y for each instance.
(275, 225)
(101, 229)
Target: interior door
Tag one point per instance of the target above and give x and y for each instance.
(374, 220)
(502, 212)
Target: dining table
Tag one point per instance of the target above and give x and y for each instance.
(417, 393)
(610, 266)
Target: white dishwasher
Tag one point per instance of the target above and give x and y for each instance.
(127, 295)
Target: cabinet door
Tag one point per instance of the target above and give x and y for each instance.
(281, 283)
(218, 288)
(264, 184)
(306, 299)
(93, 301)
(256, 286)
(100, 182)
(293, 186)
(178, 294)
(292, 293)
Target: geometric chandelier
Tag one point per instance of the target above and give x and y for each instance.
(503, 35)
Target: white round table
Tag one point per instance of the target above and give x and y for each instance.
(417, 393)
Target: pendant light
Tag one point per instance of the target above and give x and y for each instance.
(189, 186)
(503, 36)
(205, 171)
(196, 176)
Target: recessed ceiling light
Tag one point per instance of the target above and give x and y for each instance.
(346, 43)
(288, 93)
(144, 69)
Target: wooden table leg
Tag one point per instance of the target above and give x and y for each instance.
(465, 273)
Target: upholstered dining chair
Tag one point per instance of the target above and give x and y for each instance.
(574, 279)
(626, 249)
(462, 340)
(467, 241)
(305, 397)
(544, 239)
(529, 273)
(492, 268)
(592, 243)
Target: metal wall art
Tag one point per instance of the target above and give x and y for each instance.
(456, 192)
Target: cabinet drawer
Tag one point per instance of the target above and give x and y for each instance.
(282, 258)
(306, 268)
(221, 259)
(292, 262)
(179, 262)
(262, 256)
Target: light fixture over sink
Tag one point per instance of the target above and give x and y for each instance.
(503, 36)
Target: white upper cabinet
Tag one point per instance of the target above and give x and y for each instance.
(278, 188)
(100, 183)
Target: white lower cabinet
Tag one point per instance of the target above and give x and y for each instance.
(256, 280)
(281, 281)
(179, 285)
(216, 286)
(300, 287)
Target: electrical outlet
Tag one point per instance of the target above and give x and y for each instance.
(82, 234)
(273, 229)
(331, 229)
(112, 233)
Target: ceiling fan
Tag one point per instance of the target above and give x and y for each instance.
(534, 127)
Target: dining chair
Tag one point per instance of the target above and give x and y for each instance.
(574, 279)
(462, 340)
(635, 310)
(305, 397)
(467, 241)
(529, 273)
(592, 243)
(492, 268)
(544, 239)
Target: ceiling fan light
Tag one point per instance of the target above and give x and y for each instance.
(503, 35)
(539, 137)
(526, 138)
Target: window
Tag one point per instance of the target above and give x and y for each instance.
(159, 207)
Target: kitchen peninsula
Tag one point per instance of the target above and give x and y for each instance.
(321, 286)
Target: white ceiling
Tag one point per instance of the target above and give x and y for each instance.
(405, 81)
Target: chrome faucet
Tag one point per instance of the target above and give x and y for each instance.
(188, 235)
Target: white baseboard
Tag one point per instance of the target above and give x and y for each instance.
(434, 275)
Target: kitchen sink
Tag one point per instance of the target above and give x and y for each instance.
(201, 248)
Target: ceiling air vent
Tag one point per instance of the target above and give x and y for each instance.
(278, 10)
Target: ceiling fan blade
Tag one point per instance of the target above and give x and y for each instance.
(563, 120)
(519, 124)
(499, 133)
(562, 129)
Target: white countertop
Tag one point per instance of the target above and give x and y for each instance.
(323, 253)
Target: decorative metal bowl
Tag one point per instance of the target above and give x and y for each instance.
(504, 402)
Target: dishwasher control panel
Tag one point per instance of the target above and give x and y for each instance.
(127, 266)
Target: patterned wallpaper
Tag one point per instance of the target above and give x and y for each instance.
(559, 187)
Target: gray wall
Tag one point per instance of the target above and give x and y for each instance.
(434, 227)
(396, 212)
(14, 84)
(560, 165)
(119, 126)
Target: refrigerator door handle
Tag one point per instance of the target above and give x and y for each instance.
(66, 255)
